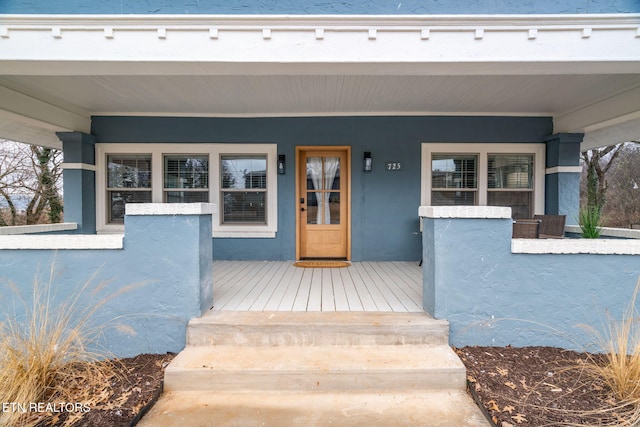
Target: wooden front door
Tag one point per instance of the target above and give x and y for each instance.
(323, 202)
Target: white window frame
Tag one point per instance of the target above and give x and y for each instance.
(215, 151)
(482, 150)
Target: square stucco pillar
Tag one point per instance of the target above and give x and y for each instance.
(79, 180)
(562, 181)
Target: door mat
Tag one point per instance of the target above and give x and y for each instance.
(321, 264)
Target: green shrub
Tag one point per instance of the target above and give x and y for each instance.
(589, 220)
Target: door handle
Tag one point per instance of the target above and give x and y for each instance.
(302, 209)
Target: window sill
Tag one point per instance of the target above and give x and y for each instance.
(248, 234)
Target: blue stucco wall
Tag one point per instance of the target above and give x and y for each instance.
(80, 199)
(79, 184)
(563, 195)
(367, 7)
(166, 260)
(491, 296)
(384, 221)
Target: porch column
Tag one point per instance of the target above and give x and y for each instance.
(79, 180)
(562, 182)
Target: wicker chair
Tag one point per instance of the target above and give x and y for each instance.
(526, 228)
(551, 226)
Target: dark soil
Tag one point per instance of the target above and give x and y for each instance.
(531, 386)
(539, 386)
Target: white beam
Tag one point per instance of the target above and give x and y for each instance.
(22, 129)
(36, 110)
(611, 111)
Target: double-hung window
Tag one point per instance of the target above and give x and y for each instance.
(243, 189)
(509, 175)
(128, 181)
(186, 178)
(510, 183)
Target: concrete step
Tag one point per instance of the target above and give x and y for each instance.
(315, 368)
(315, 329)
(445, 408)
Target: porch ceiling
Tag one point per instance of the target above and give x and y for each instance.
(56, 72)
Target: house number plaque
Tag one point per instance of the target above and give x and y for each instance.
(393, 166)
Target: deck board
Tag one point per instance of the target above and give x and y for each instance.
(279, 286)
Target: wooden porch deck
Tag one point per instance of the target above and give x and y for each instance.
(280, 286)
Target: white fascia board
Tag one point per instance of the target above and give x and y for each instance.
(486, 42)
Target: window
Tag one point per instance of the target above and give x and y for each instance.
(243, 193)
(240, 179)
(129, 181)
(454, 179)
(510, 182)
(486, 175)
(186, 179)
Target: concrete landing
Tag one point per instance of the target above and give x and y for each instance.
(447, 408)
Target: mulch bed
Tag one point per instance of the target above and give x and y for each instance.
(531, 386)
(538, 386)
(120, 399)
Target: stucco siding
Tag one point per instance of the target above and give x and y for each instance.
(147, 290)
(384, 203)
(492, 296)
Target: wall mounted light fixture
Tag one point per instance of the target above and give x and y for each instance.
(366, 161)
(281, 164)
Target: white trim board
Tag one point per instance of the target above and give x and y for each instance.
(79, 166)
(66, 241)
(564, 169)
(576, 246)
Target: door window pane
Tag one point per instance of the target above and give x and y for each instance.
(312, 206)
(334, 208)
(323, 175)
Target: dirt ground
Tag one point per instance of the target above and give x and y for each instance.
(538, 386)
(532, 386)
